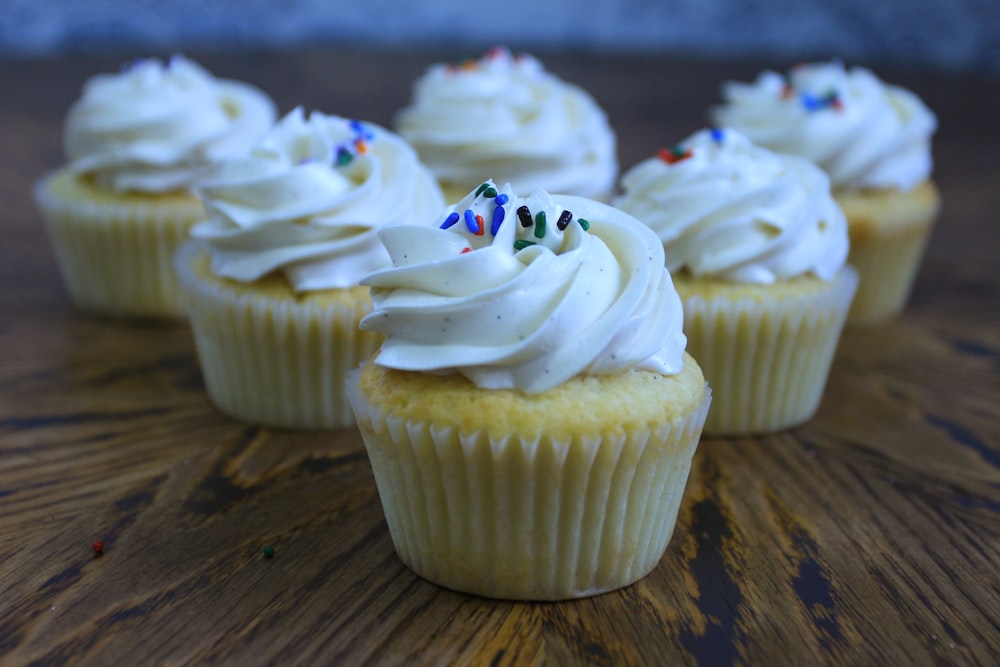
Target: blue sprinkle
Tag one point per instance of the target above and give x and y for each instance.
(812, 103)
(470, 221)
(501, 199)
(360, 129)
(498, 216)
(717, 135)
(450, 220)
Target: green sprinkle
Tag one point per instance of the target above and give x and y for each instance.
(521, 244)
(678, 151)
(584, 223)
(481, 188)
(344, 156)
(268, 551)
(540, 225)
(490, 192)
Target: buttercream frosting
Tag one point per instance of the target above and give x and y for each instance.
(862, 132)
(504, 116)
(309, 199)
(552, 287)
(726, 208)
(160, 126)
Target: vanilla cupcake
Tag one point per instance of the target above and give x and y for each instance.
(531, 415)
(505, 117)
(135, 144)
(271, 276)
(756, 245)
(874, 142)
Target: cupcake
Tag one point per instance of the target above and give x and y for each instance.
(135, 145)
(873, 141)
(505, 117)
(756, 246)
(270, 277)
(531, 414)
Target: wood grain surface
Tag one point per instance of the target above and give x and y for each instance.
(869, 536)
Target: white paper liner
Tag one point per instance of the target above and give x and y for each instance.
(273, 362)
(767, 361)
(887, 264)
(116, 259)
(528, 518)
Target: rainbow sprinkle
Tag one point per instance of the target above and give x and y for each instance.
(475, 223)
(345, 152)
(477, 213)
(811, 102)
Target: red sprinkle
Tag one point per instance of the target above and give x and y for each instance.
(467, 250)
(673, 155)
(98, 547)
(361, 146)
(482, 225)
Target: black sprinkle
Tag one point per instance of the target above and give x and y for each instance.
(524, 215)
(564, 219)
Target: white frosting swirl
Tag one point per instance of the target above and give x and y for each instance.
(308, 200)
(160, 127)
(505, 117)
(862, 132)
(530, 306)
(728, 209)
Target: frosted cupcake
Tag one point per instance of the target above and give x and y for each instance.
(505, 117)
(756, 245)
(874, 142)
(135, 144)
(531, 415)
(271, 277)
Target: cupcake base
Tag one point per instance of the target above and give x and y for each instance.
(766, 350)
(889, 231)
(269, 356)
(115, 251)
(565, 494)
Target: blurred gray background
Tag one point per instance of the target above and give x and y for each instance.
(956, 36)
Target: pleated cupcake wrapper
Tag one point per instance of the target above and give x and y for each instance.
(116, 259)
(887, 265)
(272, 362)
(537, 518)
(766, 361)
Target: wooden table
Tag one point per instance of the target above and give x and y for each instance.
(870, 536)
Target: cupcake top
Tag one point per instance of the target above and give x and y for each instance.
(308, 200)
(504, 116)
(526, 293)
(159, 127)
(725, 208)
(862, 132)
